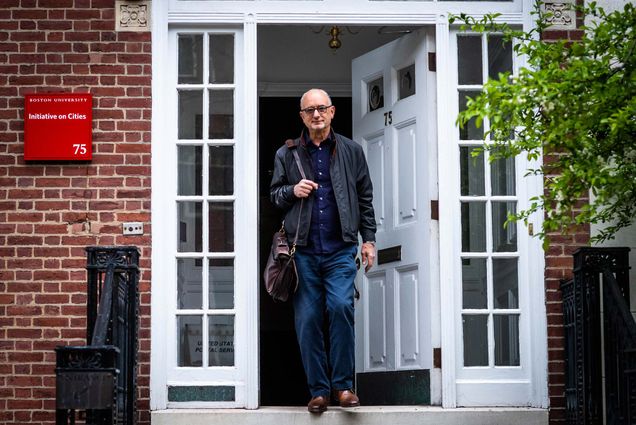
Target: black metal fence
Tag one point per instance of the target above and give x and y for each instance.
(99, 379)
(599, 331)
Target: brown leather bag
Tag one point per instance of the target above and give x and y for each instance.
(280, 275)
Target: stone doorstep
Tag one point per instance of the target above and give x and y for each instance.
(372, 415)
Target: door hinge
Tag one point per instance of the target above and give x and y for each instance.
(434, 209)
(437, 358)
(432, 61)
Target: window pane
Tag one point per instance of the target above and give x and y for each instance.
(221, 58)
(507, 340)
(475, 339)
(505, 283)
(502, 177)
(470, 131)
(473, 226)
(499, 56)
(221, 340)
(190, 114)
(189, 279)
(221, 283)
(221, 220)
(221, 114)
(472, 172)
(503, 239)
(190, 216)
(190, 158)
(406, 79)
(190, 351)
(375, 94)
(469, 59)
(190, 58)
(221, 170)
(474, 283)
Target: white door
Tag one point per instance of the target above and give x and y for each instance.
(391, 115)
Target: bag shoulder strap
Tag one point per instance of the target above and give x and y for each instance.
(291, 145)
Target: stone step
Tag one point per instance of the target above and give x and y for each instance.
(372, 415)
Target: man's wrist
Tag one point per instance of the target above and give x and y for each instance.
(371, 242)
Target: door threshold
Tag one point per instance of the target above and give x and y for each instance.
(363, 415)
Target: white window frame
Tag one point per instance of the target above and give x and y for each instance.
(207, 15)
(474, 386)
(164, 371)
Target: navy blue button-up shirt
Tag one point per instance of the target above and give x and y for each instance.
(325, 232)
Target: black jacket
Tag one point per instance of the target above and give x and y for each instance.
(351, 185)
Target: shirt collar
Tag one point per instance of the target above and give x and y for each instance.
(328, 142)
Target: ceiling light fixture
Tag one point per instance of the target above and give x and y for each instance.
(335, 32)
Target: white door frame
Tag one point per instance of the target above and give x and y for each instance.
(218, 13)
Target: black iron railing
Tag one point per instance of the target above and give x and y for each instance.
(100, 378)
(599, 330)
(620, 355)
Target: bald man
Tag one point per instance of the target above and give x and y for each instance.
(338, 195)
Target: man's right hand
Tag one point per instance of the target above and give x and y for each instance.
(304, 188)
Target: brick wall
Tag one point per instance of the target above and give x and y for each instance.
(558, 267)
(50, 211)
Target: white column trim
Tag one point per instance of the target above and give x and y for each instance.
(249, 191)
(448, 181)
(536, 266)
(159, 218)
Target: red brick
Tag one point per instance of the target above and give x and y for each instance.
(24, 333)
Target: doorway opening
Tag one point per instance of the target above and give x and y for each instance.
(282, 376)
(284, 73)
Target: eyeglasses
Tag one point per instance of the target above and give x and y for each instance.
(321, 109)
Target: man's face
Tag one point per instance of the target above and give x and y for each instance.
(317, 121)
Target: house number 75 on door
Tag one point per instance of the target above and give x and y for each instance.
(388, 118)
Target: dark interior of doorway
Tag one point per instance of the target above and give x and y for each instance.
(282, 378)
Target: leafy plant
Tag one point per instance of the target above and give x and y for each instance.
(574, 106)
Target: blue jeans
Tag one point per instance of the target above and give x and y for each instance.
(326, 284)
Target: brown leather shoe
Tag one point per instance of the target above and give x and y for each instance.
(347, 398)
(318, 404)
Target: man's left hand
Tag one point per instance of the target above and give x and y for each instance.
(368, 255)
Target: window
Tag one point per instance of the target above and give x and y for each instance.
(205, 198)
(490, 310)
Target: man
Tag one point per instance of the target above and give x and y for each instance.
(337, 206)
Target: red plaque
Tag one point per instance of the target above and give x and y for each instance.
(58, 126)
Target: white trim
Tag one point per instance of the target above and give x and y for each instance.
(334, 11)
(417, 17)
(247, 223)
(536, 268)
(448, 181)
(434, 229)
(158, 304)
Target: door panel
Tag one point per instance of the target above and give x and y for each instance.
(393, 315)
(409, 329)
(376, 161)
(377, 322)
(407, 180)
